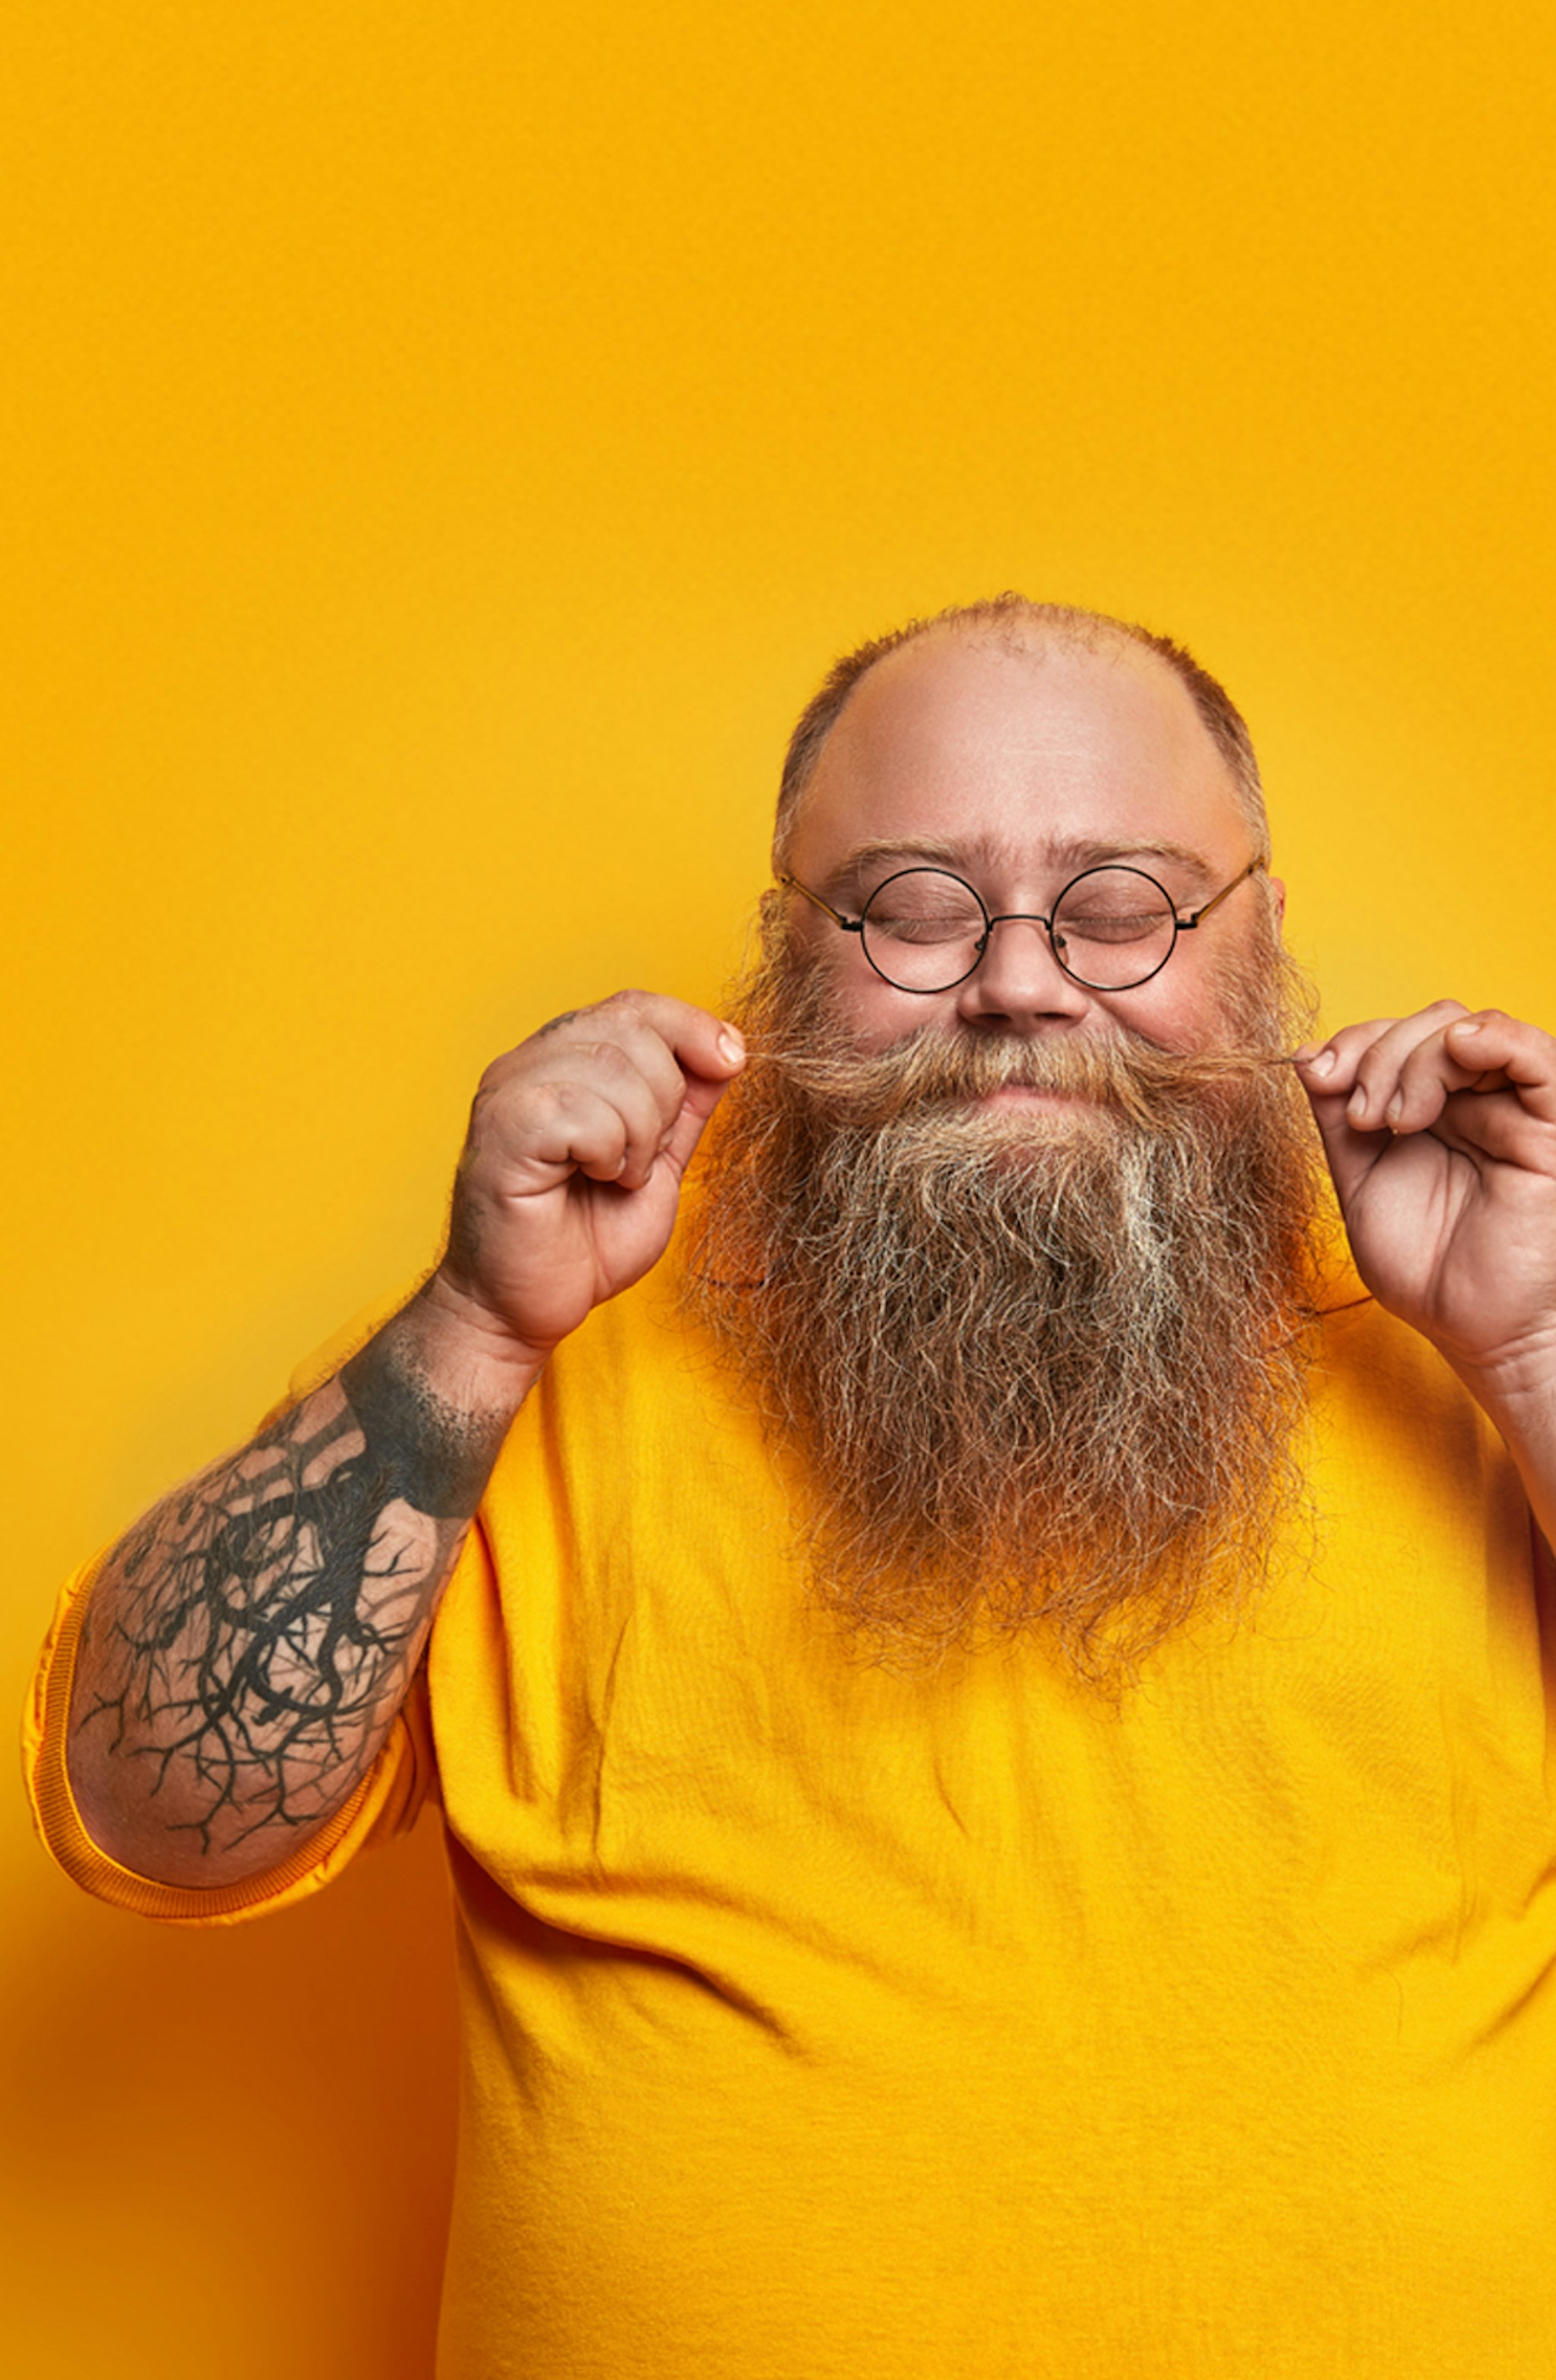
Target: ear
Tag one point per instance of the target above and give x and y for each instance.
(1277, 886)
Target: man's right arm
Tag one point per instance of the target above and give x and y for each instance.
(247, 1646)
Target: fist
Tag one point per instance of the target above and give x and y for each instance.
(571, 1173)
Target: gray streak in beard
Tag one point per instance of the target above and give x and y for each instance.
(1042, 1366)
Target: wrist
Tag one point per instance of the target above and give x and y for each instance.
(1516, 1391)
(1514, 1387)
(466, 1352)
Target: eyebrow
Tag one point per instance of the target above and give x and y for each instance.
(1075, 853)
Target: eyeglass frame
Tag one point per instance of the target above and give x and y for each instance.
(1023, 918)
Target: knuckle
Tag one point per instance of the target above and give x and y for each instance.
(539, 1104)
(495, 1076)
(628, 1001)
(558, 1023)
(593, 1016)
(606, 1056)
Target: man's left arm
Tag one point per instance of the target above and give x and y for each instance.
(1440, 1134)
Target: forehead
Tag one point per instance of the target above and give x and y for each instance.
(1035, 750)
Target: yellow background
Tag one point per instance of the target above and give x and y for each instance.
(444, 445)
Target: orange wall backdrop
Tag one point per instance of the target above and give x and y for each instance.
(444, 443)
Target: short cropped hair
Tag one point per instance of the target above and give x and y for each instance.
(1012, 620)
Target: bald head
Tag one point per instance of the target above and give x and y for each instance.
(1192, 712)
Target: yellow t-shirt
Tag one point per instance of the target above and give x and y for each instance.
(825, 2021)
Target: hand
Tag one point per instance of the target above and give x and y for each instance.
(1441, 1132)
(571, 1175)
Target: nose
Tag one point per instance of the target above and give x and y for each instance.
(1020, 986)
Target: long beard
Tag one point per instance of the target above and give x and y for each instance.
(1042, 1363)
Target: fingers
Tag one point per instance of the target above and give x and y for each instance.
(1437, 1069)
(1503, 1053)
(608, 1129)
(606, 1092)
(1361, 1064)
(703, 1045)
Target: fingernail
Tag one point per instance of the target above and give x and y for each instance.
(1465, 1025)
(1324, 1063)
(1356, 1104)
(1395, 1108)
(730, 1046)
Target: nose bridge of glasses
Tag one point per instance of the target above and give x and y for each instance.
(1022, 917)
(1049, 939)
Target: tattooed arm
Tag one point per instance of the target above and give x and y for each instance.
(247, 1646)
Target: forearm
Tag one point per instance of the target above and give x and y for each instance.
(247, 1646)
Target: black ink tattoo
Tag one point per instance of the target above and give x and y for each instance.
(435, 1460)
(253, 1638)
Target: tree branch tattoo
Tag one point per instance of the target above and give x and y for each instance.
(251, 1639)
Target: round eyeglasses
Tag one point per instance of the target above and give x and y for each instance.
(1112, 928)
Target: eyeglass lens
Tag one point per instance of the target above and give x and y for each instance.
(924, 930)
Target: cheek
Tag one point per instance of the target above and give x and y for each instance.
(871, 1013)
(1205, 1002)
(1180, 1009)
(874, 1015)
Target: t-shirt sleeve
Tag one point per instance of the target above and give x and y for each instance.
(385, 1804)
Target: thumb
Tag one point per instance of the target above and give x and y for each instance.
(1352, 1154)
(704, 1091)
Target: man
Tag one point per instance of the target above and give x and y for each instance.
(991, 1723)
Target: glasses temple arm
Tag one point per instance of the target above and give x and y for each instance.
(849, 925)
(1187, 925)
